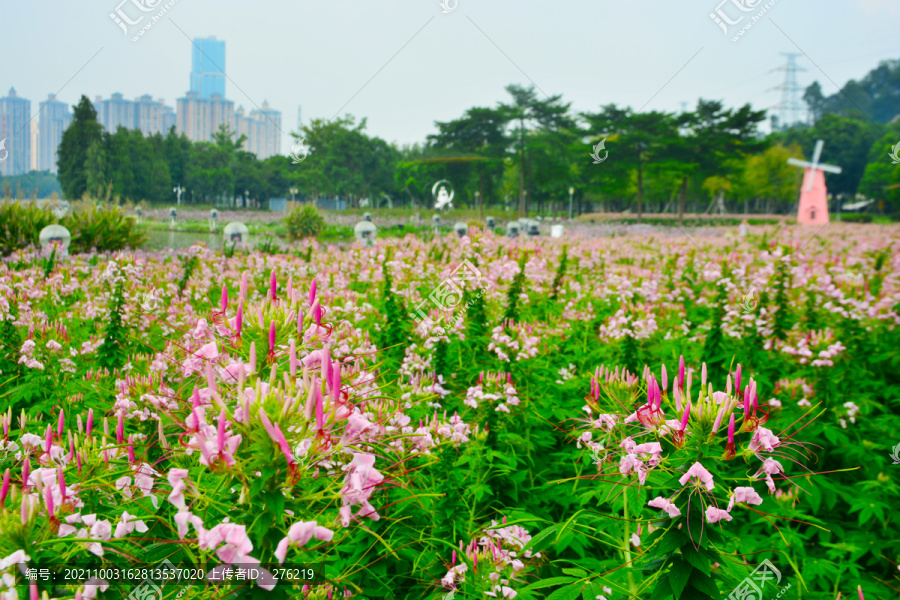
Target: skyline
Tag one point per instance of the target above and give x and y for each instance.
(421, 66)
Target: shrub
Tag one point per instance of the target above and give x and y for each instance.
(103, 226)
(21, 224)
(304, 222)
(856, 217)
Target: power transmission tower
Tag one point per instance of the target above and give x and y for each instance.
(790, 108)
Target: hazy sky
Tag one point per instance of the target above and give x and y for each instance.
(404, 63)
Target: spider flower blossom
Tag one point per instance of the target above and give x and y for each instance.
(700, 473)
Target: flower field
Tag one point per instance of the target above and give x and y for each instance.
(650, 416)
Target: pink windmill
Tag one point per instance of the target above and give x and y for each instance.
(813, 209)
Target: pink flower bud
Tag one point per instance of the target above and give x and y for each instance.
(4, 491)
(90, 421)
(272, 338)
(239, 320)
(26, 470)
(293, 357)
(686, 415)
(273, 287)
(48, 439)
(61, 480)
(336, 381)
(681, 372)
(120, 428)
(221, 432)
(320, 409)
(312, 292)
(130, 449)
(224, 303)
(737, 379)
(731, 429)
(665, 378)
(62, 422)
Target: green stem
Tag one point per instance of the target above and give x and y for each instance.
(627, 548)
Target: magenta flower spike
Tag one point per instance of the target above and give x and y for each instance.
(195, 398)
(746, 404)
(336, 381)
(33, 591)
(311, 399)
(25, 505)
(320, 409)
(703, 376)
(681, 372)
(859, 589)
(120, 428)
(290, 287)
(221, 432)
(300, 323)
(48, 500)
(737, 379)
(753, 397)
(130, 449)
(312, 292)
(686, 415)
(61, 480)
(48, 439)
(665, 378)
(293, 352)
(62, 422)
(718, 420)
(90, 422)
(239, 320)
(453, 558)
(224, 303)
(26, 470)
(243, 286)
(272, 338)
(273, 287)
(731, 430)
(4, 490)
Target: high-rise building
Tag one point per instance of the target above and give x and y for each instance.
(168, 119)
(15, 115)
(115, 112)
(55, 118)
(263, 130)
(199, 118)
(33, 162)
(208, 67)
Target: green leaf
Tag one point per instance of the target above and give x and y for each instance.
(533, 542)
(662, 591)
(698, 561)
(705, 584)
(575, 572)
(543, 583)
(678, 576)
(570, 592)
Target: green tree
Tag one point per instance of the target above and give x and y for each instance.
(73, 149)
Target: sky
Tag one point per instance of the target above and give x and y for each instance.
(404, 64)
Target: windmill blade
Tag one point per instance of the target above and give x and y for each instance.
(799, 163)
(830, 168)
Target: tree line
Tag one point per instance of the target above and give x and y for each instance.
(525, 153)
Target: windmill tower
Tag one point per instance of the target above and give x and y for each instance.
(790, 108)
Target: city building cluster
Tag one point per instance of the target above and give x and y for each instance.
(32, 142)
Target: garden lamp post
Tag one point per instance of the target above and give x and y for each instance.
(293, 191)
(571, 194)
(178, 190)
